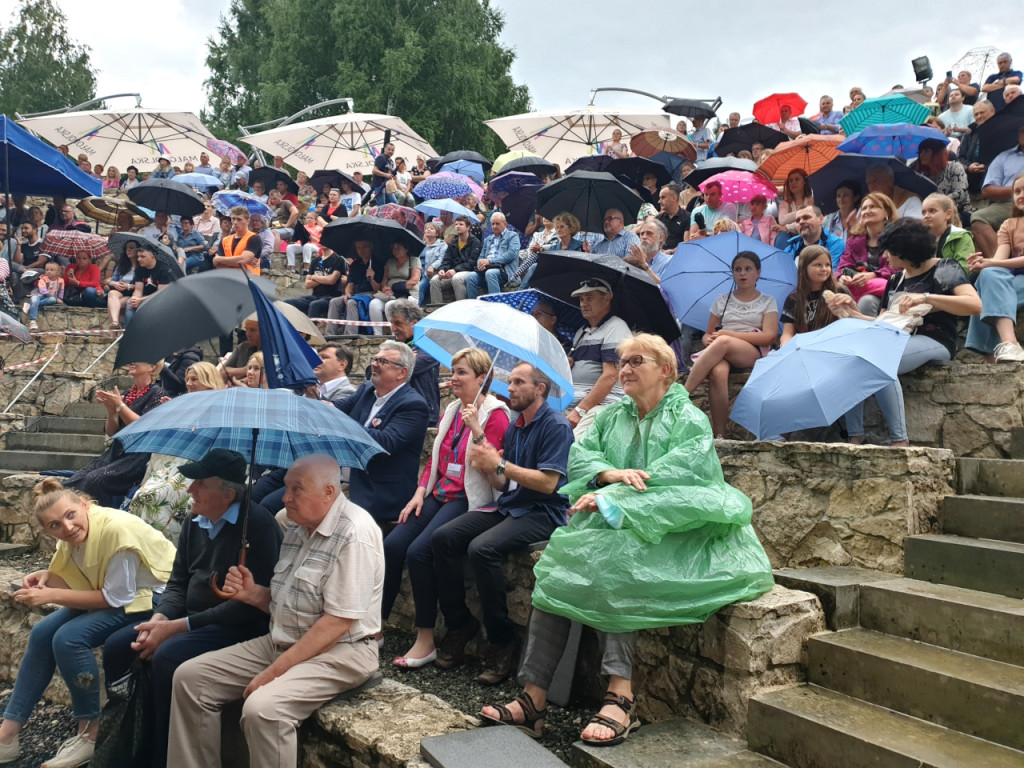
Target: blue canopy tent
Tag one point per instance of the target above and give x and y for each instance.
(30, 166)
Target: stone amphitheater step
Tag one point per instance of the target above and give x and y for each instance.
(58, 442)
(984, 517)
(67, 425)
(981, 564)
(976, 696)
(36, 461)
(991, 477)
(965, 620)
(86, 410)
(812, 727)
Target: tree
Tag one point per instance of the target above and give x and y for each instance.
(41, 65)
(437, 64)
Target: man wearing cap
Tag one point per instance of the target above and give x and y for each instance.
(190, 619)
(324, 610)
(593, 356)
(165, 171)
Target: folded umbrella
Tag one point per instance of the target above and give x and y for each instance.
(226, 199)
(818, 376)
(569, 318)
(896, 108)
(15, 330)
(637, 298)
(106, 209)
(701, 271)
(853, 166)
(896, 140)
(68, 243)
(769, 109)
(270, 176)
(167, 195)
(467, 155)
(708, 168)
(587, 195)
(649, 143)
(341, 236)
(807, 154)
(190, 310)
(288, 360)
(505, 335)
(475, 171)
(743, 137)
(742, 186)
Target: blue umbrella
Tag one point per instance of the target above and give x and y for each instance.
(227, 199)
(894, 108)
(287, 359)
(898, 139)
(853, 166)
(508, 182)
(436, 207)
(672, 163)
(701, 271)
(198, 180)
(466, 168)
(504, 334)
(436, 187)
(569, 318)
(818, 376)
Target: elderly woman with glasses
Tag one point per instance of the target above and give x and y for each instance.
(654, 529)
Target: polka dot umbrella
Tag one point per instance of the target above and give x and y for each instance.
(742, 186)
(895, 140)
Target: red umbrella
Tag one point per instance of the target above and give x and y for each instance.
(67, 243)
(768, 110)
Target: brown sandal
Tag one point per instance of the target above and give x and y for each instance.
(533, 723)
(628, 706)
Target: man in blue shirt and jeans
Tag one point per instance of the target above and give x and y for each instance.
(529, 471)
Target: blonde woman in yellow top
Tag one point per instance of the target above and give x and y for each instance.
(104, 574)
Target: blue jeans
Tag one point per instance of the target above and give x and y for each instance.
(194, 262)
(1002, 293)
(64, 640)
(424, 296)
(410, 544)
(87, 297)
(313, 306)
(35, 302)
(920, 350)
(492, 279)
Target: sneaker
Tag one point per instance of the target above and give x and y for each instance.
(74, 752)
(9, 752)
(452, 652)
(1008, 352)
(500, 663)
(33, 326)
(24, 308)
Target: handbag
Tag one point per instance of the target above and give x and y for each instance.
(908, 321)
(125, 737)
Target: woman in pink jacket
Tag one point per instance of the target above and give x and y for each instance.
(863, 268)
(759, 226)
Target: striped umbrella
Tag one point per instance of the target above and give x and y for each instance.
(885, 110)
(808, 153)
(68, 243)
(650, 143)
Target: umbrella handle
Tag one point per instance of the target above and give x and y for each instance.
(225, 594)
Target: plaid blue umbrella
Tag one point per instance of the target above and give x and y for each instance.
(287, 359)
(289, 427)
(897, 140)
(227, 199)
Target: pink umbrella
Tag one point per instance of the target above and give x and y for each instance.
(742, 186)
(471, 183)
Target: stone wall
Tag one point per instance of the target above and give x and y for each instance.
(50, 394)
(834, 504)
(968, 408)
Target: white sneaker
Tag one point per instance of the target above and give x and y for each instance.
(1008, 352)
(74, 752)
(33, 326)
(25, 308)
(9, 752)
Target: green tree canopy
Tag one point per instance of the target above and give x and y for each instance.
(437, 64)
(41, 65)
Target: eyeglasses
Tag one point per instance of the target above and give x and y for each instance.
(633, 362)
(382, 361)
(613, 218)
(542, 312)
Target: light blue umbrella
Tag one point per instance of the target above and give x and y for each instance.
(227, 199)
(200, 181)
(818, 376)
(897, 140)
(504, 334)
(466, 168)
(436, 207)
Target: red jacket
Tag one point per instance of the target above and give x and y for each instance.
(90, 278)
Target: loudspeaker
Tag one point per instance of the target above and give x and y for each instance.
(922, 68)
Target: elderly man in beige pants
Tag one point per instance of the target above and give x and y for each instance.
(324, 606)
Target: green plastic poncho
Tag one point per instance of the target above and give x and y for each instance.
(686, 547)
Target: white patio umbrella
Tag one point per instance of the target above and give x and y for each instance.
(564, 136)
(136, 137)
(346, 142)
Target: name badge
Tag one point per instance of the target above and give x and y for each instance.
(453, 470)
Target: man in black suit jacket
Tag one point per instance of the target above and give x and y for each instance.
(395, 416)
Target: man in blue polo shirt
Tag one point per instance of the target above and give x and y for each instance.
(998, 190)
(809, 222)
(529, 472)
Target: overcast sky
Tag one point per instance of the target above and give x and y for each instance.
(738, 50)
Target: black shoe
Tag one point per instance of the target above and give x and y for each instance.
(452, 652)
(501, 662)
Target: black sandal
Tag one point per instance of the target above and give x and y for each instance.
(532, 718)
(628, 706)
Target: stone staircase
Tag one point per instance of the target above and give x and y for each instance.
(69, 441)
(925, 670)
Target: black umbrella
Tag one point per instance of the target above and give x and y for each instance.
(1000, 132)
(635, 168)
(808, 127)
(590, 163)
(853, 166)
(163, 254)
(638, 300)
(191, 310)
(465, 154)
(587, 195)
(341, 235)
(538, 166)
(709, 168)
(434, 164)
(690, 108)
(742, 137)
(334, 178)
(270, 176)
(167, 195)
(519, 206)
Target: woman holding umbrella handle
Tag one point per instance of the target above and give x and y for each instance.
(742, 327)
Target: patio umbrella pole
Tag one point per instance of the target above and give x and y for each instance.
(103, 354)
(245, 519)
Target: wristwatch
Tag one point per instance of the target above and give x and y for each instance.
(581, 411)
(119, 408)
(479, 440)
(500, 469)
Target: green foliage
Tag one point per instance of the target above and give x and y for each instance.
(437, 64)
(41, 66)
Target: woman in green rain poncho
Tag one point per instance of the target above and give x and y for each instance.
(685, 547)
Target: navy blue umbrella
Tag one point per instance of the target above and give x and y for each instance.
(852, 166)
(287, 359)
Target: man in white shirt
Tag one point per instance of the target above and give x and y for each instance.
(701, 137)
